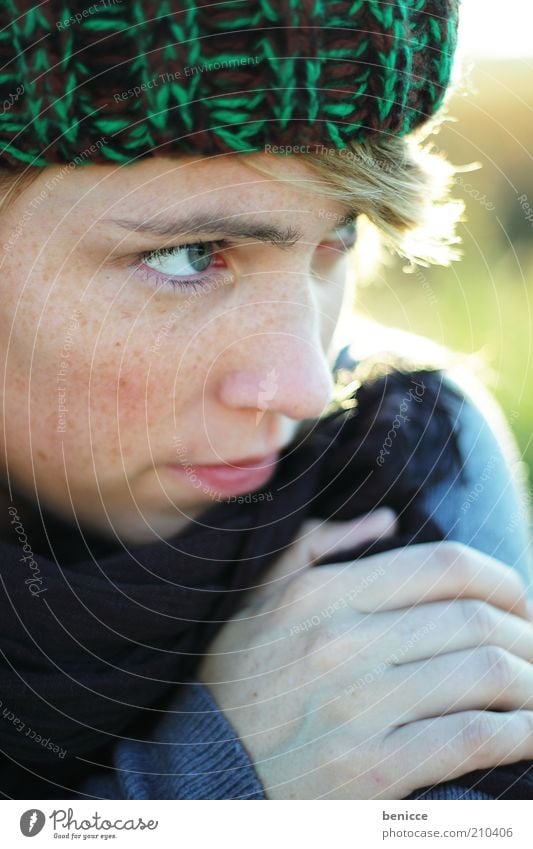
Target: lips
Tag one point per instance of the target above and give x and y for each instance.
(231, 478)
(247, 461)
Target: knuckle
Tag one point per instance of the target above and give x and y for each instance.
(479, 733)
(455, 557)
(514, 577)
(404, 633)
(498, 665)
(479, 617)
(526, 719)
(453, 549)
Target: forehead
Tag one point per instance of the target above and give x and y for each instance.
(160, 182)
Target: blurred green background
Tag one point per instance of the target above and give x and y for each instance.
(481, 304)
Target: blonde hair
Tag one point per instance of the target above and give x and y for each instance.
(401, 188)
(14, 180)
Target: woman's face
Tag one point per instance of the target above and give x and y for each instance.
(125, 368)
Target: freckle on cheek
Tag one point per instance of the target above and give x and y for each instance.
(42, 455)
(131, 397)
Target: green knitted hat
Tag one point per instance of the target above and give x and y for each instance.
(114, 81)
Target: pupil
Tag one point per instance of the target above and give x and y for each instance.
(199, 257)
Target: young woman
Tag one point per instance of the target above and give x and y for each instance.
(182, 440)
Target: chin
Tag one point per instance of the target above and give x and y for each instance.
(155, 528)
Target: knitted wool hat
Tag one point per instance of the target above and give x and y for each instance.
(121, 79)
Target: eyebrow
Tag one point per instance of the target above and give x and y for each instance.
(200, 222)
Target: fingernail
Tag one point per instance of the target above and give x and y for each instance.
(383, 519)
(384, 514)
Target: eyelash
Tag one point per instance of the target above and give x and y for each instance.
(192, 283)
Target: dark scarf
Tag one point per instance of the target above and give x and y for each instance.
(94, 653)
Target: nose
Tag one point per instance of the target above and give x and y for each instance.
(281, 367)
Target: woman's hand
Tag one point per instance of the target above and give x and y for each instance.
(372, 678)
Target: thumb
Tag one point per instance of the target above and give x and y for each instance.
(329, 537)
(318, 538)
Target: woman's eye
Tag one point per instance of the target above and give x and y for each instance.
(343, 237)
(182, 261)
(192, 266)
(176, 265)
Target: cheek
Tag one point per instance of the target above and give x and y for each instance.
(132, 405)
(117, 404)
(330, 304)
(98, 418)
